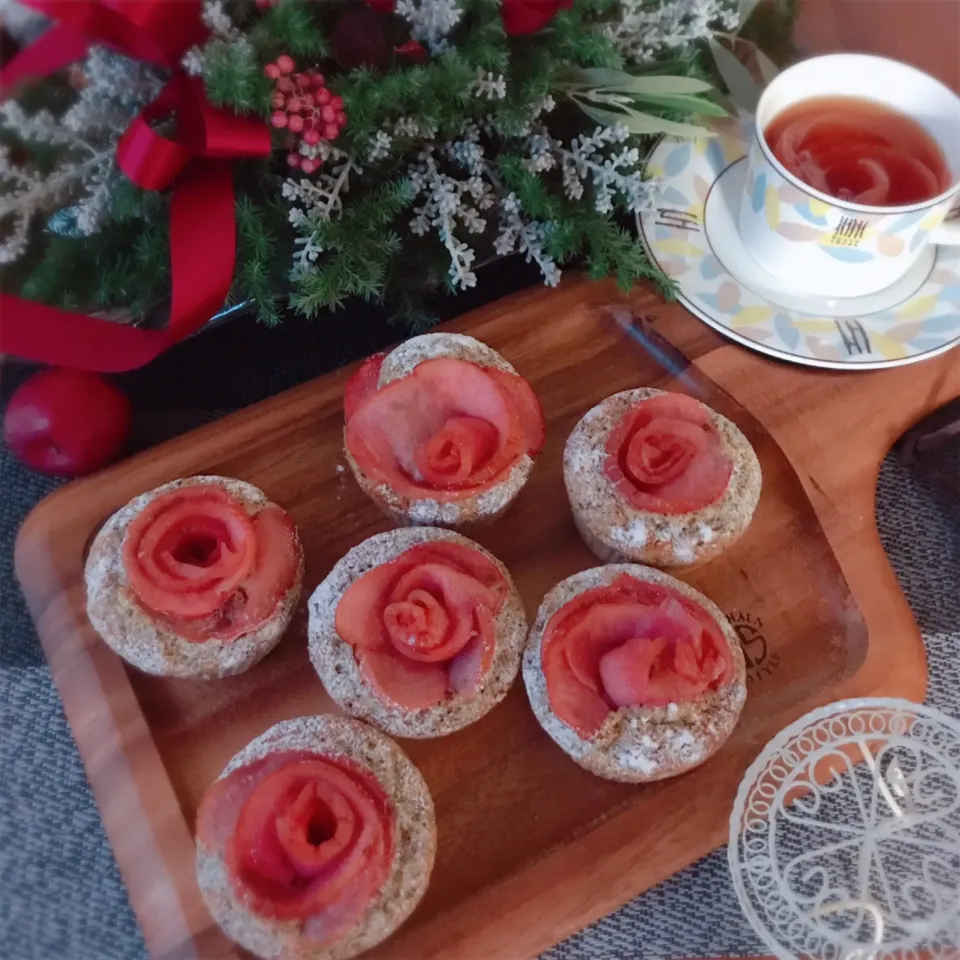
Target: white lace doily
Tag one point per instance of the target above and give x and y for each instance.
(845, 835)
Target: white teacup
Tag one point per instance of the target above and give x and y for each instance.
(815, 242)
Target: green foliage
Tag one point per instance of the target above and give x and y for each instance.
(127, 267)
(366, 246)
(572, 39)
(130, 202)
(234, 78)
(358, 248)
(644, 104)
(439, 93)
(607, 248)
(485, 46)
(259, 273)
(581, 232)
(292, 27)
(537, 200)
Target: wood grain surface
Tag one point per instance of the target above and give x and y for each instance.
(531, 847)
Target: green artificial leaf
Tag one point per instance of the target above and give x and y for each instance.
(701, 105)
(616, 80)
(602, 96)
(768, 69)
(746, 8)
(645, 123)
(743, 90)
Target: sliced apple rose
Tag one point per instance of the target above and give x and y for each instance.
(419, 631)
(197, 578)
(659, 478)
(317, 840)
(430, 443)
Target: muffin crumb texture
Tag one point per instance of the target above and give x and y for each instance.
(152, 645)
(638, 744)
(414, 843)
(617, 532)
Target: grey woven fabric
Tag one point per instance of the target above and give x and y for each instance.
(61, 897)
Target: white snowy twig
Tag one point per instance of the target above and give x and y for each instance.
(222, 31)
(85, 136)
(528, 237)
(450, 202)
(315, 201)
(619, 173)
(490, 86)
(642, 30)
(430, 20)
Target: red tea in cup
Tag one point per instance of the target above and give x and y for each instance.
(859, 150)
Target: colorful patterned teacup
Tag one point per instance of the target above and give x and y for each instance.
(815, 242)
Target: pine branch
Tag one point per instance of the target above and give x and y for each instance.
(439, 94)
(360, 248)
(574, 39)
(531, 191)
(233, 74)
(290, 26)
(257, 276)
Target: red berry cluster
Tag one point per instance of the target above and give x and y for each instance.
(303, 105)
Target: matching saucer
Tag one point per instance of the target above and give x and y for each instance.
(692, 235)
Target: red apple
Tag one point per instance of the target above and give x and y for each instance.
(66, 422)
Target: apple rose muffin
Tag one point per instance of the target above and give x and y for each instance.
(198, 578)
(635, 675)
(659, 478)
(419, 631)
(441, 431)
(316, 842)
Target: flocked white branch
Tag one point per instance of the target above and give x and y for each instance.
(527, 237)
(314, 201)
(451, 202)
(430, 20)
(222, 31)
(115, 88)
(490, 86)
(642, 30)
(610, 174)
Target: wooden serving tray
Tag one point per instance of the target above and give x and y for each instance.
(531, 847)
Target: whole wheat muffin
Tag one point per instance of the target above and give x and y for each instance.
(337, 798)
(620, 518)
(149, 561)
(376, 651)
(605, 692)
(441, 431)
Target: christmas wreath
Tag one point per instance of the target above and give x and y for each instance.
(288, 153)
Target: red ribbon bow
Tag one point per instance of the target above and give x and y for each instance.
(196, 163)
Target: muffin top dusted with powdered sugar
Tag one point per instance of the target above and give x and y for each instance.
(401, 361)
(328, 791)
(659, 478)
(197, 578)
(418, 631)
(634, 674)
(441, 431)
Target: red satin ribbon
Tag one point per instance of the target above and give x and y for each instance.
(157, 31)
(196, 163)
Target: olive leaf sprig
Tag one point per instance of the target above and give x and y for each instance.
(611, 96)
